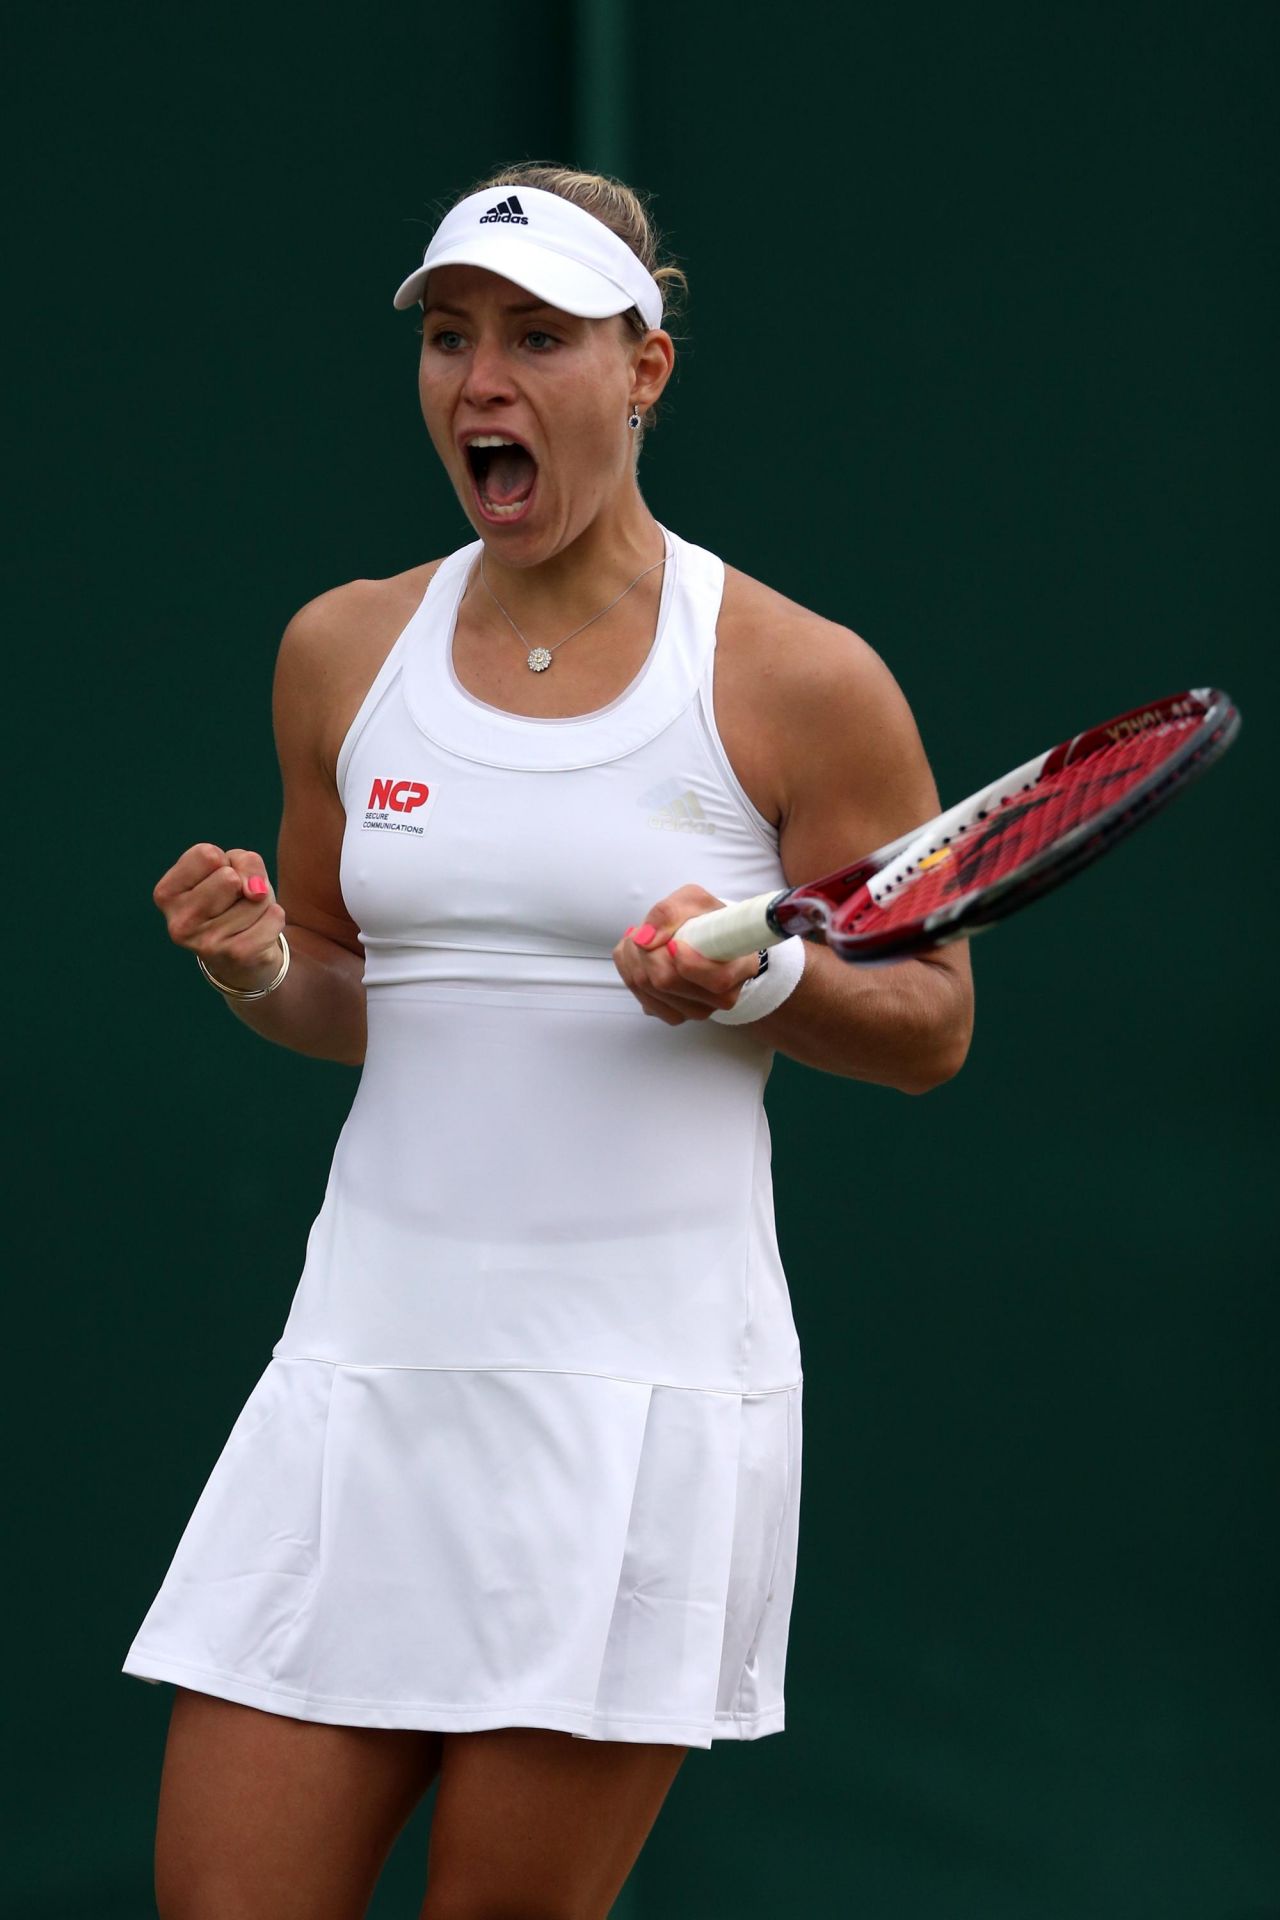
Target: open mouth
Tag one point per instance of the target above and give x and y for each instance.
(503, 473)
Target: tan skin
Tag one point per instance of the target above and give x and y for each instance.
(258, 1809)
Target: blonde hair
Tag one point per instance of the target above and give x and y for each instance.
(621, 209)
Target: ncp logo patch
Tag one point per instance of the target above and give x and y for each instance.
(397, 806)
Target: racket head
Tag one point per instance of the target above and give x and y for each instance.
(1017, 838)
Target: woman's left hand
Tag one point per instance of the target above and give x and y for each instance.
(666, 975)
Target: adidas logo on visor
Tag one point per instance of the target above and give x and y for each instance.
(507, 212)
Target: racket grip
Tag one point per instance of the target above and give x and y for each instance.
(727, 933)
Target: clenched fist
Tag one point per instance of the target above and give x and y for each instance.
(220, 906)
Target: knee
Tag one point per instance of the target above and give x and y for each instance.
(459, 1903)
(183, 1897)
(188, 1889)
(177, 1898)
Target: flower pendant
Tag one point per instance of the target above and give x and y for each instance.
(539, 659)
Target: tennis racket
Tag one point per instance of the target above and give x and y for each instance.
(1000, 849)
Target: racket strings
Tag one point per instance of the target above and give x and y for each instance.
(1017, 830)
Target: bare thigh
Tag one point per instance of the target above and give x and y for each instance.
(266, 1818)
(534, 1825)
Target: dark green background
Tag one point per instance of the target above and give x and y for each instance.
(978, 360)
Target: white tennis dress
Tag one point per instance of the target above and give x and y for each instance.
(527, 1452)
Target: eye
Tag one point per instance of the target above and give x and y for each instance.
(448, 339)
(540, 340)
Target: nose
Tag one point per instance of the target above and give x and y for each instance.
(489, 380)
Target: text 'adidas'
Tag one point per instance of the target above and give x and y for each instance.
(507, 212)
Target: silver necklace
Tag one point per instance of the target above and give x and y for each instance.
(538, 659)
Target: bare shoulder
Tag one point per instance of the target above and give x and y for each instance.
(797, 695)
(332, 649)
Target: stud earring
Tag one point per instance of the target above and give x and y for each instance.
(633, 420)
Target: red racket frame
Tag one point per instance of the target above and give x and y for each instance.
(821, 909)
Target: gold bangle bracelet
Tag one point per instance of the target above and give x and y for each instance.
(247, 993)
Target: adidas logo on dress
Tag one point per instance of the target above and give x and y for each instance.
(507, 212)
(676, 811)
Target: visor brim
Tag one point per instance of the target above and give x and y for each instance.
(548, 276)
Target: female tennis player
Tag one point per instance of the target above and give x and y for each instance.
(515, 1501)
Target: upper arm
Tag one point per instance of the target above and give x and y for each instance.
(852, 770)
(853, 773)
(308, 692)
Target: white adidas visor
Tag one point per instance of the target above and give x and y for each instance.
(545, 244)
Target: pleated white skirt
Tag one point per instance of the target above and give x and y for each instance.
(457, 1549)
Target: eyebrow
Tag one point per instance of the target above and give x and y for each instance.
(523, 306)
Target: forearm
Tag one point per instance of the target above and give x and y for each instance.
(906, 1025)
(319, 1007)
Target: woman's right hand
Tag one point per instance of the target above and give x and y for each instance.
(221, 906)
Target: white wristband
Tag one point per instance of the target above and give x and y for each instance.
(769, 989)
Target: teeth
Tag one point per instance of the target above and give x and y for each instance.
(491, 506)
(489, 440)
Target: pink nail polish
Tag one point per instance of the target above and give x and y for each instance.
(257, 884)
(671, 946)
(643, 935)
